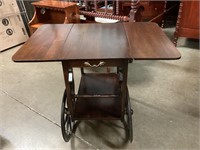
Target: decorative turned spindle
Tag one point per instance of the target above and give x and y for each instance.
(133, 11)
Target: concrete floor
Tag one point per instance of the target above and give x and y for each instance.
(164, 96)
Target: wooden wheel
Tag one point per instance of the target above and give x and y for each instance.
(130, 125)
(66, 120)
(128, 118)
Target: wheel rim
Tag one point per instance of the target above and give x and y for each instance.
(130, 126)
(128, 114)
(66, 120)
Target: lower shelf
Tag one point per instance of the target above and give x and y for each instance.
(97, 108)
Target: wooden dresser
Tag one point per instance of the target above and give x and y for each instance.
(53, 12)
(188, 20)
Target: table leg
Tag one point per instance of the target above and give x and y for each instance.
(67, 123)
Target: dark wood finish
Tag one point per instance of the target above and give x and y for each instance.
(51, 12)
(97, 41)
(85, 41)
(97, 108)
(188, 20)
(95, 104)
(147, 10)
(106, 90)
(107, 62)
(153, 11)
(38, 48)
(100, 96)
(148, 41)
(90, 84)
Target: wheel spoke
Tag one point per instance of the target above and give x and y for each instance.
(66, 110)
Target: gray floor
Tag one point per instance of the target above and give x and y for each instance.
(164, 96)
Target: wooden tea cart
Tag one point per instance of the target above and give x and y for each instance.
(100, 95)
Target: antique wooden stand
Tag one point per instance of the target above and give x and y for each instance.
(101, 96)
(52, 12)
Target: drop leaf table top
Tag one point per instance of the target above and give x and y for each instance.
(61, 42)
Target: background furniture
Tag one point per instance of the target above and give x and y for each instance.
(129, 10)
(188, 20)
(12, 27)
(152, 11)
(52, 12)
(132, 10)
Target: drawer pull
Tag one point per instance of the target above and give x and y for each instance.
(101, 63)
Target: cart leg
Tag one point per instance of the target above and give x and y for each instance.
(82, 70)
(67, 124)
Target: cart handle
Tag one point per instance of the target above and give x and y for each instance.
(101, 63)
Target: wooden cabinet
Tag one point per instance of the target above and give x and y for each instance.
(148, 10)
(53, 12)
(188, 20)
(152, 11)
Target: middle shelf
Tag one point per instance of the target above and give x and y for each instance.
(99, 96)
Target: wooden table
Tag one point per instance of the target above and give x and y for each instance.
(103, 95)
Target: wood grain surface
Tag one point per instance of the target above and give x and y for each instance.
(148, 41)
(55, 4)
(45, 44)
(97, 41)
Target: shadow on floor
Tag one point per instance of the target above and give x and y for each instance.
(191, 43)
(101, 133)
(5, 143)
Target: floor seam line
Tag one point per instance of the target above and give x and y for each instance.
(31, 109)
(86, 142)
(41, 115)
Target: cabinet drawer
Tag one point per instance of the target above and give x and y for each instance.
(96, 63)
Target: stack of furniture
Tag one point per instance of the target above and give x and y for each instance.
(132, 10)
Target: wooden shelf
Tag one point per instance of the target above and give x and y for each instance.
(99, 84)
(53, 12)
(98, 107)
(37, 25)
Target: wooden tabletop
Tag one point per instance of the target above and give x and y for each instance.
(148, 41)
(54, 4)
(60, 42)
